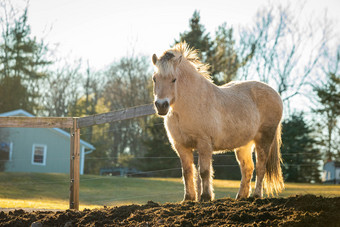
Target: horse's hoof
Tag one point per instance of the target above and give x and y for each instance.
(205, 198)
(257, 196)
(188, 198)
(238, 197)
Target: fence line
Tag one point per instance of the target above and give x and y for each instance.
(75, 124)
(120, 115)
(116, 130)
(231, 154)
(36, 122)
(132, 174)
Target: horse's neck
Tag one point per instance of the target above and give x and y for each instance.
(195, 91)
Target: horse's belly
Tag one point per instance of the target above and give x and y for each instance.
(232, 138)
(228, 144)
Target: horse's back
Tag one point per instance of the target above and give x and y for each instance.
(259, 98)
(268, 102)
(263, 96)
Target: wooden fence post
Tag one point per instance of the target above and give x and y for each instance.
(74, 165)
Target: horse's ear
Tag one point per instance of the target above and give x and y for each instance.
(154, 59)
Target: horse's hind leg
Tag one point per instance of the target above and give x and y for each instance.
(198, 184)
(244, 158)
(188, 171)
(262, 148)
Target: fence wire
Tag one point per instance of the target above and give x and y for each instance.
(157, 157)
(142, 158)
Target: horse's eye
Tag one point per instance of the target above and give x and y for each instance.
(174, 80)
(154, 79)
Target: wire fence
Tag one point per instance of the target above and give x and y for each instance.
(124, 197)
(158, 157)
(135, 193)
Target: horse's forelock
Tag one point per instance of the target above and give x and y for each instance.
(176, 55)
(166, 63)
(167, 56)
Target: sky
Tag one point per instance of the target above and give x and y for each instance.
(103, 31)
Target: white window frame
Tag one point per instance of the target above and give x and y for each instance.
(10, 151)
(45, 152)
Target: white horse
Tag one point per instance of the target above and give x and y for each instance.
(204, 117)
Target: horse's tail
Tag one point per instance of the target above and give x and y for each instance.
(273, 181)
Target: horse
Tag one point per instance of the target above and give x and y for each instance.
(201, 116)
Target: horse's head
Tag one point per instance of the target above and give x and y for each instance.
(172, 72)
(165, 81)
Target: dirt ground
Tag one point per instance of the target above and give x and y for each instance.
(305, 210)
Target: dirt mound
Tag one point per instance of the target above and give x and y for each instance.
(306, 210)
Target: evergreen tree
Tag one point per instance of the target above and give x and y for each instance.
(197, 37)
(21, 65)
(219, 52)
(329, 102)
(226, 166)
(159, 154)
(299, 154)
(13, 94)
(223, 60)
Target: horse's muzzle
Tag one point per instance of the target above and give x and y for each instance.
(162, 107)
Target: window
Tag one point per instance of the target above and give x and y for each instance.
(39, 154)
(6, 151)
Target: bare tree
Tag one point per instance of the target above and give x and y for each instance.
(93, 84)
(128, 84)
(286, 51)
(62, 90)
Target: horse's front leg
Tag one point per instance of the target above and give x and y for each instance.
(188, 172)
(206, 171)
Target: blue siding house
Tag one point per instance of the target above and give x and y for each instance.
(45, 150)
(331, 173)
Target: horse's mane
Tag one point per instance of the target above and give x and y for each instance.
(182, 54)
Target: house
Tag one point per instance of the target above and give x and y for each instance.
(331, 173)
(45, 150)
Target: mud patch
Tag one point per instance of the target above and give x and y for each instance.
(306, 210)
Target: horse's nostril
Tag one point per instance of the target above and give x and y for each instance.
(165, 105)
(157, 104)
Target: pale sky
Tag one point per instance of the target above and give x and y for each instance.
(102, 31)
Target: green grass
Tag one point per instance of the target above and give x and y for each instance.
(51, 191)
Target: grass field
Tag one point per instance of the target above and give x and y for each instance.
(51, 191)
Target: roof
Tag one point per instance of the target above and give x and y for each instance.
(58, 130)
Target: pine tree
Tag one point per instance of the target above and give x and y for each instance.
(299, 154)
(219, 52)
(223, 59)
(21, 65)
(197, 37)
(159, 154)
(329, 100)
